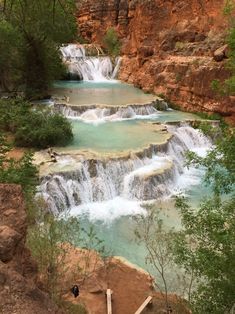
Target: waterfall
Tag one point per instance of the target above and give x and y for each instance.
(99, 115)
(87, 68)
(124, 180)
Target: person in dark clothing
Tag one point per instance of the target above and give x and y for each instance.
(75, 291)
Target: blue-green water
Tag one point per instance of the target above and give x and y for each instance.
(125, 135)
(118, 234)
(115, 136)
(110, 93)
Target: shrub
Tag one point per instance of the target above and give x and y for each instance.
(21, 172)
(112, 42)
(33, 127)
(179, 45)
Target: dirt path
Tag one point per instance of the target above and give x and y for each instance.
(130, 286)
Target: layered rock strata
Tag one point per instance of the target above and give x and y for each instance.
(167, 46)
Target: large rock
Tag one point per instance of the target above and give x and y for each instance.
(9, 240)
(221, 53)
(12, 224)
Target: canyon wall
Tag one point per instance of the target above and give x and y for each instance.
(167, 46)
(19, 292)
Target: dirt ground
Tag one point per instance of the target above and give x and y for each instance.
(130, 286)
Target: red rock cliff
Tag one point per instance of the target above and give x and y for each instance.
(167, 46)
(18, 272)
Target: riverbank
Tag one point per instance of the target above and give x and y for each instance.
(130, 284)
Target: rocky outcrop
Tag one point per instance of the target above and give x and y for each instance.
(221, 53)
(18, 272)
(168, 47)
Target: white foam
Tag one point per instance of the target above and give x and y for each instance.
(108, 211)
(119, 187)
(102, 115)
(97, 69)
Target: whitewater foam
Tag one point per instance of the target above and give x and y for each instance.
(101, 115)
(86, 68)
(118, 188)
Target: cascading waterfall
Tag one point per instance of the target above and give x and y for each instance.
(86, 68)
(121, 182)
(109, 113)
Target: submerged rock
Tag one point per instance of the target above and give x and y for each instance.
(160, 104)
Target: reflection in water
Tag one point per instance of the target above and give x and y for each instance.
(110, 93)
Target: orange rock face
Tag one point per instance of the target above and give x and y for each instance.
(18, 271)
(167, 46)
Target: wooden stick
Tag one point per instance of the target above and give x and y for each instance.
(109, 301)
(143, 306)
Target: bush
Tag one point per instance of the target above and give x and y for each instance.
(112, 42)
(21, 172)
(33, 127)
(72, 308)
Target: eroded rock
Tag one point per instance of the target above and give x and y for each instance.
(9, 239)
(158, 37)
(221, 53)
(18, 271)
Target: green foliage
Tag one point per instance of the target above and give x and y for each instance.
(228, 7)
(45, 240)
(72, 308)
(50, 240)
(205, 115)
(21, 172)
(208, 129)
(179, 45)
(10, 58)
(228, 86)
(216, 86)
(35, 30)
(158, 243)
(112, 42)
(219, 164)
(33, 127)
(42, 65)
(206, 245)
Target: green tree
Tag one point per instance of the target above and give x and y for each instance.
(21, 172)
(158, 243)
(10, 57)
(112, 42)
(34, 126)
(206, 245)
(46, 240)
(41, 26)
(228, 86)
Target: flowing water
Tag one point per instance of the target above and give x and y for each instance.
(120, 160)
(87, 68)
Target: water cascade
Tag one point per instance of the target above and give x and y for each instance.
(101, 114)
(88, 68)
(119, 183)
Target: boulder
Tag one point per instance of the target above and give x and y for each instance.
(146, 51)
(160, 105)
(9, 240)
(221, 53)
